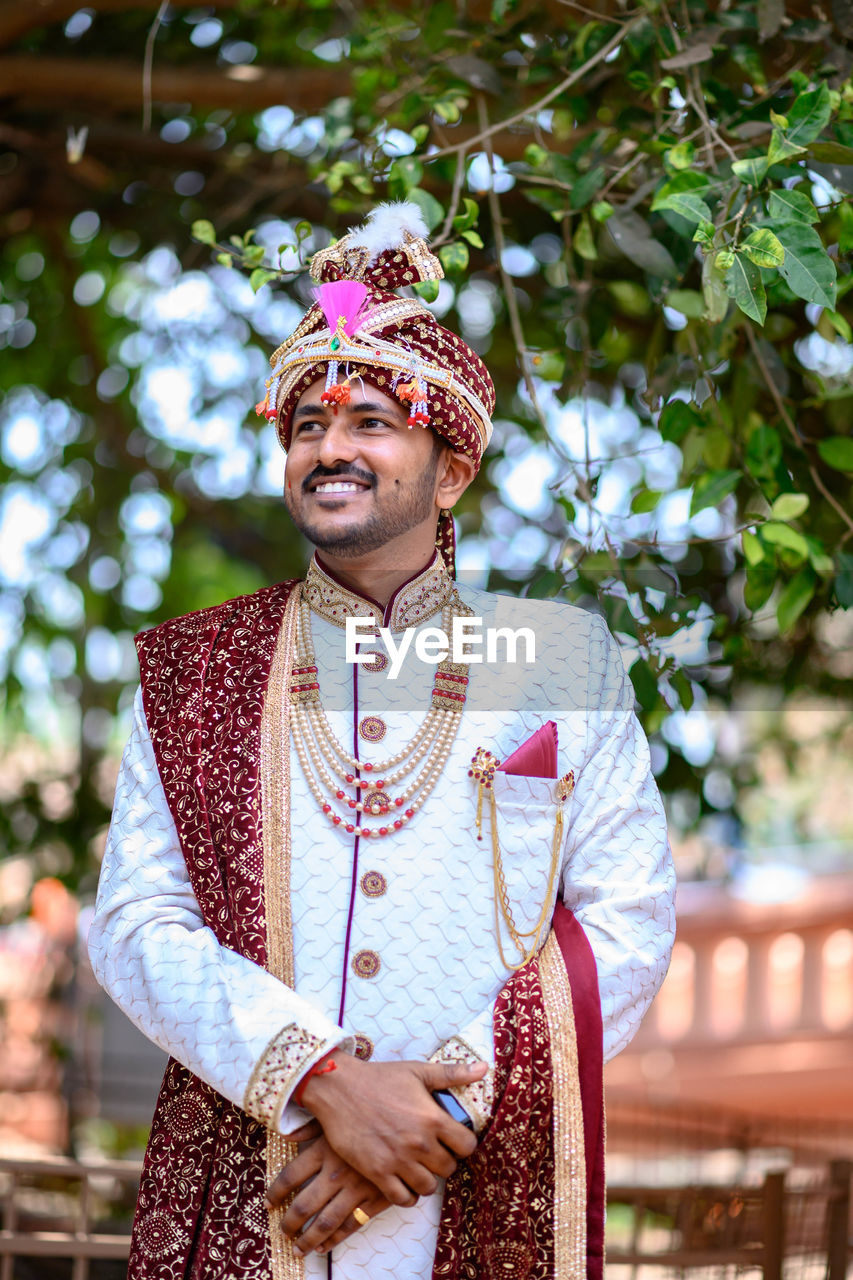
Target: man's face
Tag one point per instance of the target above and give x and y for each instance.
(357, 475)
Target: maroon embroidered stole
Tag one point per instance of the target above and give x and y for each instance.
(200, 1211)
(498, 1209)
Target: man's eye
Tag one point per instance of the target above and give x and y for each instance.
(372, 422)
(309, 426)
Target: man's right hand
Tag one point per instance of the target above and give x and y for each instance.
(381, 1118)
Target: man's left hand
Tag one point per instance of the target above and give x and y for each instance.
(327, 1190)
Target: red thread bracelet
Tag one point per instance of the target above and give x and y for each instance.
(320, 1068)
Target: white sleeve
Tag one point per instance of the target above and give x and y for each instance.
(617, 878)
(229, 1021)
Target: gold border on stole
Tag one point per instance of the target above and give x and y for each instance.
(569, 1152)
(275, 818)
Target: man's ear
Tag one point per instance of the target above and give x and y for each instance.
(455, 473)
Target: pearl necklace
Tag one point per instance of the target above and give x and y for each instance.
(329, 768)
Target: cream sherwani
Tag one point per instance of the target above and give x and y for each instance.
(394, 939)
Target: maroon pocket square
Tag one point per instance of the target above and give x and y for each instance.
(537, 757)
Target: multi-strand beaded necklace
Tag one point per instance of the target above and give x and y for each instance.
(331, 771)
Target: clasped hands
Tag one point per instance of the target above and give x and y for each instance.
(378, 1138)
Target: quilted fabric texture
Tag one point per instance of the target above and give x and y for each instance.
(422, 963)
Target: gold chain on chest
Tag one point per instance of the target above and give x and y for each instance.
(404, 780)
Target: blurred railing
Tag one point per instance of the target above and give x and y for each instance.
(743, 971)
(756, 1011)
(56, 1208)
(781, 1232)
(772, 1228)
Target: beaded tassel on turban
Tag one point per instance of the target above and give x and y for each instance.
(359, 330)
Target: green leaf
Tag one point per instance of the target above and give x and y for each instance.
(537, 157)
(844, 581)
(645, 684)
(744, 284)
(420, 133)
(763, 451)
(601, 210)
(584, 241)
(684, 688)
(464, 221)
(302, 230)
(710, 489)
(646, 500)
(203, 231)
(782, 535)
(834, 153)
(725, 258)
(791, 206)
(837, 452)
(680, 183)
(688, 301)
(261, 276)
(447, 110)
(676, 419)
(632, 236)
(795, 598)
(845, 233)
(586, 187)
(821, 562)
(680, 156)
(760, 581)
(225, 259)
(789, 505)
(751, 171)
(427, 289)
(686, 203)
(808, 268)
(704, 234)
(752, 549)
(839, 323)
(474, 238)
(454, 257)
(763, 248)
(809, 115)
(405, 173)
(781, 148)
(714, 289)
(428, 205)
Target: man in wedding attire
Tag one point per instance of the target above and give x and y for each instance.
(387, 905)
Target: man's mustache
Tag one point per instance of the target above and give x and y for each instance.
(338, 473)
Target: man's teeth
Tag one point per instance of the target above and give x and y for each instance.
(338, 486)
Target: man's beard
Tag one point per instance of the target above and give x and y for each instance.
(401, 511)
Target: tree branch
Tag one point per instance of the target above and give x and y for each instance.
(578, 74)
(795, 436)
(17, 19)
(506, 281)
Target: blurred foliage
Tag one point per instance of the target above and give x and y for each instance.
(644, 221)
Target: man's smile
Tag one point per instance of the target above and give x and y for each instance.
(338, 486)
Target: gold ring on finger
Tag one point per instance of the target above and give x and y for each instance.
(361, 1217)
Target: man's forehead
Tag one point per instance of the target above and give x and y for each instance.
(313, 408)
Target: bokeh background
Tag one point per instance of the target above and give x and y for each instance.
(644, 220)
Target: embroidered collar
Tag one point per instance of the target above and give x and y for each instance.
(420, 598)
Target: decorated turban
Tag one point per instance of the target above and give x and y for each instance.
(359, 330)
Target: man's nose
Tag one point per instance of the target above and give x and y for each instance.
(338, 444)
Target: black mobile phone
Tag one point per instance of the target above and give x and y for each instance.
(454, 1109)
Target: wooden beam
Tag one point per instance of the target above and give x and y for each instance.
(35, 79)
